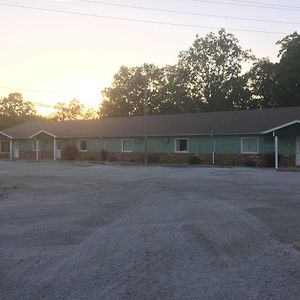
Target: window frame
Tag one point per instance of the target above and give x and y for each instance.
(4, 152)
(127, 139)
(79, 145)
(242, 144)
(187, 145)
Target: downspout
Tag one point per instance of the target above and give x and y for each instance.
(214, 149)
(276, 150)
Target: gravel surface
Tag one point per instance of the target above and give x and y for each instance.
(87, 231)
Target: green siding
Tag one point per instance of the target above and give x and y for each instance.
(196, 144)
(228, 144)
(113, 144)
(25, 145)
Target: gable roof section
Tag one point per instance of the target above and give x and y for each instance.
(282, 126)
(205, 123)
(6, 136)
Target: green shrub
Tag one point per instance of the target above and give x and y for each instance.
(195, 160)
(70, 152)
(224, 160)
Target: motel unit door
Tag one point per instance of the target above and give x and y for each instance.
(16, 149)
(298, 151)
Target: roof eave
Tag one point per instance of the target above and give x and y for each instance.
(281, 126)
(10, 137)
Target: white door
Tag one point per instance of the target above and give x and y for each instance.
(58, 150)
(16, 149)
(298, 151)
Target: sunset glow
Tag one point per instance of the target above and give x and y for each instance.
(53, 57)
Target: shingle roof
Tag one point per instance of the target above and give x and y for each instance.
(205, 123)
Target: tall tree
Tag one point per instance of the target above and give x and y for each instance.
(288, 71)
(131, 89)
(14, 110)
(213, 65)
(261, 82)
(74, 110)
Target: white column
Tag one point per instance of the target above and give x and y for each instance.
(276, 152)
(54, 149)
(37, 149)
(11, 150)
(214, 149)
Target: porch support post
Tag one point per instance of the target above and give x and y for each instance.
(54, 149)
(10, 149)
(37, 149)
(276, 150)
(214, 149)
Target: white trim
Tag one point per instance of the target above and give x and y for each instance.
(1, 132)
(187, 145)
(41, 131)
(4, 141)
(249, 152)
(122, 144)
(276, 152)
(281, 126)
(11, 150)
(78, 145)
(33, 148)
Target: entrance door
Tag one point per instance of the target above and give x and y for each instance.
(16, 149)
(58, 150)
(298, 151)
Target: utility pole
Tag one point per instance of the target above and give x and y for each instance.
(145, 128)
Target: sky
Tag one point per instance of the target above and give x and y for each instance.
(52, 56)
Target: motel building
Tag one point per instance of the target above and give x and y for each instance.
(268, 137)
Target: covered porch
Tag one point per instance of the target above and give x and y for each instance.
(44, 145)
(286, 144)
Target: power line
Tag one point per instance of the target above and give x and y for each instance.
(186, 13)
(33, 90)
(244, 4)
(267, 4)
(40, 104)
(138, 20)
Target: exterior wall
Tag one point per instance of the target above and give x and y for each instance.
(227, 148)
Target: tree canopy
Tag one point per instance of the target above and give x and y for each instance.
(288, 71)
(74, 110)
(213, 64)
(207, 77)
(14, 110)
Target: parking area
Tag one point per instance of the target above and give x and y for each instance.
(88, 231)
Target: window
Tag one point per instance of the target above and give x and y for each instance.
(127, 145)
(4, 147)
(249, 145)
(82, 145)
(181, 145)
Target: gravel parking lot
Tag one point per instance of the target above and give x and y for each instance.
(88, 231)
